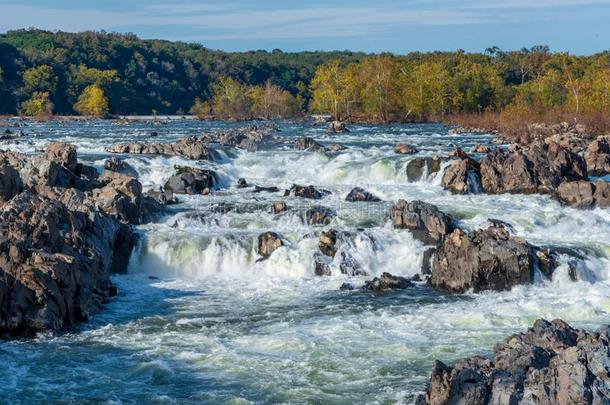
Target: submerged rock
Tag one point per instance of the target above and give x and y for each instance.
(307, 143)
(487, 259)
(387, 282)
(425, 221)
(279, 207)
(306, 192)
(552, 363)
(418, 167)
(404, 149)
(360, 194)
(584, 194)
(268, 243)
(337, 126)
(190, 180)
(319, 216)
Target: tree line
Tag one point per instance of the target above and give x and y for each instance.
(98, 73)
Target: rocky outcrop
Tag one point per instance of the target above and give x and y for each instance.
(306, 192)
(10, 182)
(307, 143)
(337, 126)
(597, 157)
(387, 282)
(62, 153)
(462, 176)
(319, 216)
(250, 138)
(404, 149)
(425, 221)
(191, 148)
(489, 259)
(115, 164)
(422, 166)
(268, 243)
(480, 148)
(584, 194)
(552, 363)
(190, 180)
(360, 194)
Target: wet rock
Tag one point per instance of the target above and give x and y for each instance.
(547, 262)
(307, 143)
(55, 263)
(425, 221)
(552, 363)
(115, 164)
(584, 194)
(250, 138)
(387, 282)
(190, 180)
(462, 176)
(337, 126)
(63, 154)
(242, 183)
(319, 216)
(328, 240)
(120, 197)
(597, 157)
(306, 192)
(268, 243)
(272, 189)
(404, 149)
(322, 265)
(347, 287)
(279, 207)
(360, 194)
(337, 147)
(487, 259)
(480, 148)
(501, 173)
(422, 166)
(190, 148)
(162, 197)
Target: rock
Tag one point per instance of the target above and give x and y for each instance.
(63, 154)
(161, 197)
(487, 259)
(584, 194)
(55, 263)
(425, 221)
(328, 240)
(347, 287)
(421, 167)
(359, 194)
(404, 149)
(322, 265)
(250, 138)
(242, 183)
(307, 143)
(319, 216)
(337, 126)
(336, 147)
(190, 180)
(552, 363)
(154, 134)
(268, 243)
(480, 148)
(190, 148)
(306, 192)
(120, 197)
(459, 153)
(462, 177)
(10, 182)
(115, 164)
(387, 282)
(279, 207)
(568, 141)
(272, 189)
(597, 157)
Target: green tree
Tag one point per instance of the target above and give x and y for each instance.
(201, 109)
(231, 100)
(92, 101)
(40, 79)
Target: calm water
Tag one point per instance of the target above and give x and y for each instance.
(198, 319)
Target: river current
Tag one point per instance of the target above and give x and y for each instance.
(200, 320)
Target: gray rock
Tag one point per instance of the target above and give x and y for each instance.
(306, 192)
(417, 167)
(319, 216)
(268, 243)
(597, 157)
(387, 282)
(189, 180)
(307, 143)
(279, 207)
(584, 194)
(337, 126)
(115, 164)
(360, 194)
(404, 149)
(425, 221)
(190, 148)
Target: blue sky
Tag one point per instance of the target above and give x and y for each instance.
(578, 26)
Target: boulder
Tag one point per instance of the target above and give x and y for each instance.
(319, 216)
(427, 223)
(120, 197)
(584, 194)
(279, 207)
(242, 183)
(404, 149)
(360, 194)
(268, 243)
(487, 259)
(597, 157)
(10, 182)
(190, 148)
(421, 167)
(387, 282)
(307, 143)
(306, 192)
(501, 173)
(250, 138)
(115, 164)
(161, 197)
(480, 148)
(260, 189)
(190, 180)
(328, 241)
(462, 176)
(552, 363)
(63, 154)
(337, 126)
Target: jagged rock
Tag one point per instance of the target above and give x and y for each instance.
(487, 259)
(328, 240)
(584, 194)
(55, 263)
(462, 176)
(242, 183)
(404, 149)
(10, 182)
(268, 243)
(63, 154)
(424, 220)
(597, 157)
(360, 194)
(387, 282)
(322, 265)
(190, 148)
(337, 126)
(306, 192)
(162, 197)
(120, 197)
(115, 164)
(347, 287)
(552, 363)
(250, 138)
(307, 143)
(319, 216)
(480, 148)
(279, 207)
(190, 180)
(418, 167)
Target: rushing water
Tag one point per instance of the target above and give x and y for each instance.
(199, 319)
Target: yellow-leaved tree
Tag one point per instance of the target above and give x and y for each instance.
(38, 105)
(328, 90)
(92, 101)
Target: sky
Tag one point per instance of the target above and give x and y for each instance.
(578, 26)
